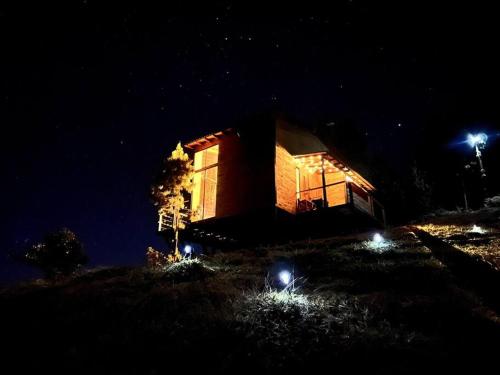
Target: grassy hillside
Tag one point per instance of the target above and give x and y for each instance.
(359, 307)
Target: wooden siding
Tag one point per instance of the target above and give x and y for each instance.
(361, 199)
(285, 180)
(336, 194)
(244, 181)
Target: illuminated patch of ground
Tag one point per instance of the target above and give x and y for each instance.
(482, 241)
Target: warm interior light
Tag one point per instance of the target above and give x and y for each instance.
(311, 186)
(203, 197)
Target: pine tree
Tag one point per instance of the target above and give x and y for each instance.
(172, 185)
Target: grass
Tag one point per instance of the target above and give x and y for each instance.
(288, 328)
(187, 270)
(480, 241)
(356, 309)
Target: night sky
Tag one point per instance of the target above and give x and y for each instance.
(92, 97)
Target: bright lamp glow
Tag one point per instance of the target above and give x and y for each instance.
(188, 249)
(477, 229)
(285, 277)
(476, 139)
(377, 238)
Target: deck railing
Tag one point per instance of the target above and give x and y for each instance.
(321, 197)
(165, 221)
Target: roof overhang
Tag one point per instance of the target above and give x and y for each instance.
(341, 166)
(207, 140)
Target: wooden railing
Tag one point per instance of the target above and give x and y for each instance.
(165, 220)
(319, 197)
(365, 202)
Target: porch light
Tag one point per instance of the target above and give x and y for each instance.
(285, 277)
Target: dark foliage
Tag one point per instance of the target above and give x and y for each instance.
(405, 188)
(60, 253)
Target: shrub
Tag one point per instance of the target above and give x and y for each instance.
(188, 270)
(60, 253)
(156, 259)
(493, 201)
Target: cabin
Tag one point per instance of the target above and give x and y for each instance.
(270, 179)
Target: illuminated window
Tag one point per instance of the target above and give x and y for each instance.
(314, 192)
(204, 194)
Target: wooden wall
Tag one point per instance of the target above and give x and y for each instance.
(361, 199)
(285, 180)
(335, 194)
(244, 181)
(232, 179)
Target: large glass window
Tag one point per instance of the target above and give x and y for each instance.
(203, 197)
(312, 191)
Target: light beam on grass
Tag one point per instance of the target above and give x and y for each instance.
(378, 243)
(477, 229)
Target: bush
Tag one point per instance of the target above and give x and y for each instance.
(188, 270)
(60, 253)
(156, 259)
(493, 201)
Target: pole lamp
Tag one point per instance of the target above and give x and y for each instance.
(478, 142)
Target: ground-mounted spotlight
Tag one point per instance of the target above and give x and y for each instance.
(285, 277)
(188, 251)
(378, 239)
(477, 229)
(378, 243)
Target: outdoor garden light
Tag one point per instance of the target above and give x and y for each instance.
(188, 249)
(377, 238)
(378, 243)
(477, 229)
(285, 277)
